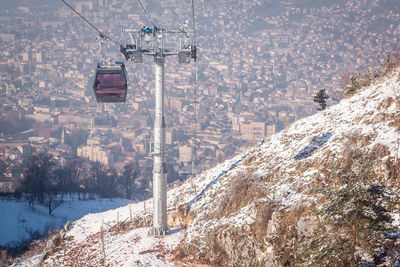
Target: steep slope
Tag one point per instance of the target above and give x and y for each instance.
(232, 230)
(242, 212)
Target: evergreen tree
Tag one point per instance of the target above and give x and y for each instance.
(320, 98)
(355, 217)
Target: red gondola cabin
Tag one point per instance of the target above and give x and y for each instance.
(110, 84)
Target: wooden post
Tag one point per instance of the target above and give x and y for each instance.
(194, 187)
(195, 199)
(353, 258)
(102, 244)
(175, 197)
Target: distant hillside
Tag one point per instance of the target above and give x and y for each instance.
(254, 209)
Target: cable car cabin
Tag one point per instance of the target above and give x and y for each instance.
(110, 84)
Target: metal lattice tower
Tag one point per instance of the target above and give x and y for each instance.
(150, 41)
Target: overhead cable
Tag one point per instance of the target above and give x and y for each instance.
(195, 73)
(147, 15)
(194, 24)
(102, 35)
(142, 95)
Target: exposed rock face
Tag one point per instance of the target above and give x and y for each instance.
(259, 219)
(179, 218)
(255, 245)
(61, 235)
(273, 224)
(52, 243)
(234, 247)
(307, 225)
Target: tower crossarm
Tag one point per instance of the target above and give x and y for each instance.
(153, 42)
(170, 30)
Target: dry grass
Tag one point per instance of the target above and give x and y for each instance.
(356, 139)
(244, 189)
(304, 165)
(396, 120)
(391, 63)
(20, 253)
(386, 103)
(393, 167)
(351, 83)
(379, 151)
(5, 258)
(188, 255)
(142, 221)
(249, 160)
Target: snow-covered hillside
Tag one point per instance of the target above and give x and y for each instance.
(207, 227)
(288, 166)
(21, 221)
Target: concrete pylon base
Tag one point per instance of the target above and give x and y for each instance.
(159, 231)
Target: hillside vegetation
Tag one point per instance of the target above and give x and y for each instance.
(267, 210)
(323, 192)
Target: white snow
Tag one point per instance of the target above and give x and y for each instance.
(275, 159)
(18, 219)
(326, 132)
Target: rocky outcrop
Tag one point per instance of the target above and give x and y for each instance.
(179, 218)
(67, 226)
(307, 226)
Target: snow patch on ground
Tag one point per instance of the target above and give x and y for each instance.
(20, 220)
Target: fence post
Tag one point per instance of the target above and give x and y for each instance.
(195, 199)
(102, 243)
(175, 197)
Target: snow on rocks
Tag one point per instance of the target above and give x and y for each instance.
(365, 119)
(287, 163)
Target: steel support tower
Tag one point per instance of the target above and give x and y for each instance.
(150, 41)
(160, 166)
